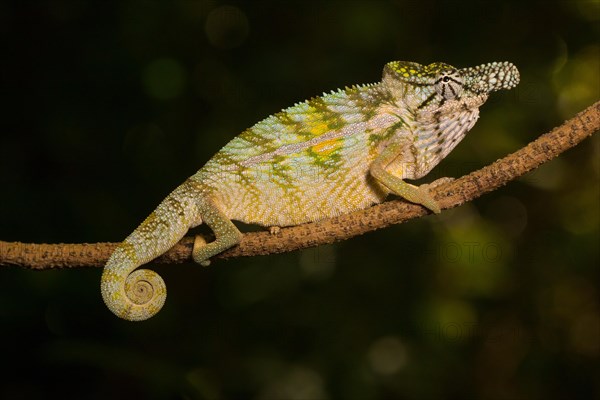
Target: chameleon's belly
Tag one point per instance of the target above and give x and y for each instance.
(293, 191)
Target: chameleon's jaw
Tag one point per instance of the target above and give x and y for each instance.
(487, 78)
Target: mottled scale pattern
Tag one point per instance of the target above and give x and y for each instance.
(315, 155)
(320, 158)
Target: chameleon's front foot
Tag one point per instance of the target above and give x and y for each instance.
(427, 199)
(396, 185)
(437, 182)
(422, 196)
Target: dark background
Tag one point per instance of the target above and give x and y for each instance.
(107, 106)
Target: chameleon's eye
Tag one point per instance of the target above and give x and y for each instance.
(449, 85)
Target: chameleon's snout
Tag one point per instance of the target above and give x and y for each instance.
(493, 76)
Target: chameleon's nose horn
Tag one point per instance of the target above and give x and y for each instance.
(496, 76)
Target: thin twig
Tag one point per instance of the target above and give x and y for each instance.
(453, 194)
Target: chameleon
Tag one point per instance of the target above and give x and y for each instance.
(343, 151)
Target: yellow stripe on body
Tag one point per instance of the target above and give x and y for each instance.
(325, 148)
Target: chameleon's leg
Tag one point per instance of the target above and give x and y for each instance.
(412, 193)
(226, 233)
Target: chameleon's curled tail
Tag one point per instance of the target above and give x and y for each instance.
(134, 296)
(137, 295)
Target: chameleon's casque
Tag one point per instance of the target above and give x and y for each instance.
(330, 155)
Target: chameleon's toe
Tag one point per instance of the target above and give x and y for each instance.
(437, 182)
(197, 253)
(427, 200)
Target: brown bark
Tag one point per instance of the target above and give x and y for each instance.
(453, 194)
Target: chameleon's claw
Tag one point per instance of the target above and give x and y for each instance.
(426, 200)
(438, 182)
(199, 242)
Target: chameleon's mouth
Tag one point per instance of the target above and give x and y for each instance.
(492, 76)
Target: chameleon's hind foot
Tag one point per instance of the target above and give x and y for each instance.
(199, 243)
(226, 233)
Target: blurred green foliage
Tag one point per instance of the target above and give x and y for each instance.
(109, 105)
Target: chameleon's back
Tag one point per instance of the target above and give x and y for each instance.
(305, 163)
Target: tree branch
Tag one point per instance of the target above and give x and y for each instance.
(453, 194)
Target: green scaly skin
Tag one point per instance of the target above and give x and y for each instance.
(327, 156)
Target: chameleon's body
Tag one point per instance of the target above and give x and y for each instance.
(330, 155)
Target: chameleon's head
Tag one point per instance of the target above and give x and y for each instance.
(427, 88)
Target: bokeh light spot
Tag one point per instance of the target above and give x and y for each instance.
(387, 355)
(298, 383)
(577, 83)
(585, 334)
(226, 27)
(164, 79)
